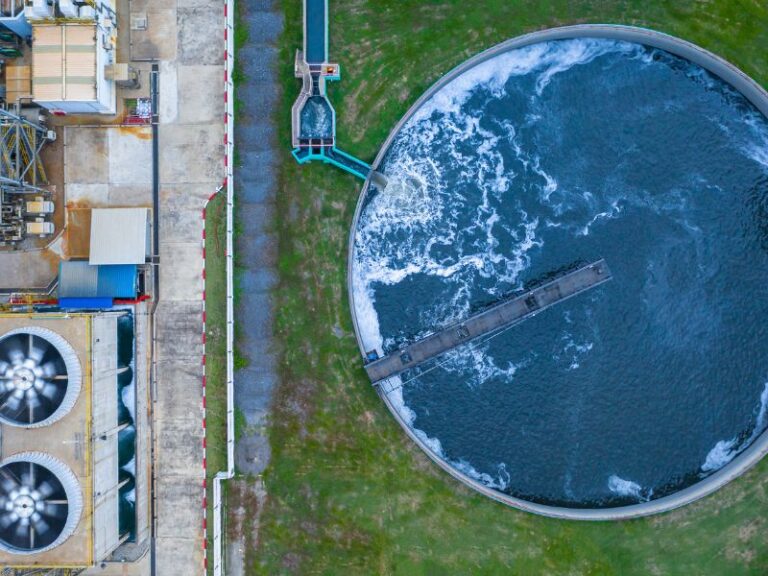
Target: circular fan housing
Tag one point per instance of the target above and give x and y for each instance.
(40, 503)
(40, 377)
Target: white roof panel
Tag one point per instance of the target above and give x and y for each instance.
(119, 236)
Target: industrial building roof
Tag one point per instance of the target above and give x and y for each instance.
(64, 62)
(119, 235)
(82, 280)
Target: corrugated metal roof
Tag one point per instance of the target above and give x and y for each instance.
(119, 236)
(64, 62)
(82, 280)
(85, 303)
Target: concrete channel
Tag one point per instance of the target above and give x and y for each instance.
(707, 60)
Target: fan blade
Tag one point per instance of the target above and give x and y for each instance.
(12, 401)
(55, 509)
(22, 528)
(45, 489)
(49, 391)
(4, 366)
(49, 370)
(40, 525)
(7, 520)
(9, 481)
(16, 356)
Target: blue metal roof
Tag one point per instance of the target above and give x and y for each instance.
(85, 303)
(82, 280)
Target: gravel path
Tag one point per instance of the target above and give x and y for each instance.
(256, 252)
(256, 185)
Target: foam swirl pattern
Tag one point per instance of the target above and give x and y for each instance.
(523, 162)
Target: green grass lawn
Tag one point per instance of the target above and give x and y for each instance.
(348, 492)
(215, 347)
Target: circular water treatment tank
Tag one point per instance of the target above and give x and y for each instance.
(40, 377)
(40, 503)
(565, 146)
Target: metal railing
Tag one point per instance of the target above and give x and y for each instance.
(229, 49)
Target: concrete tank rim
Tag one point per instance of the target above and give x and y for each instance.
(714, 64)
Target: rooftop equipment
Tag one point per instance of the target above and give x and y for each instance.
(22, 174)
(39, 206)
(60, 467)
(119, 236)
(39, 377)
(68, 67)
(73, 44)
(12, 17)
(37, 9)
(40, 503)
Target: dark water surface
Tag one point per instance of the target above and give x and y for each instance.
(541, 157)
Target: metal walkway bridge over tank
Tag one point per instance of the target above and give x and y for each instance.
(498, 317)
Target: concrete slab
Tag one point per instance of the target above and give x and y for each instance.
(158, 41)
(169, 93)
(174, 393)
(205, 82)
(182, 222)
(130, 196)
(182, 271)
(200, 35)
(141, 567)
(86, 155)
(28, 270)
(180, 333)
(175, 500)
(130, 155)
(176, 555)
(100, 195)
(203, 146)
(180, 452)
(88, 194)
(191, 136)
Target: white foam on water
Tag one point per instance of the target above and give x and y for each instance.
(627, 488)
(723, 452)
(757, 148)
(409, 416)
(726, 450)
(573, 350)
(128, 396)
(475, 363)
(130, 467)
(404, 228)
(499, 482)
(613, 212)
(550, 58)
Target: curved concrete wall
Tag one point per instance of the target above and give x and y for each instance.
(714, 64)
